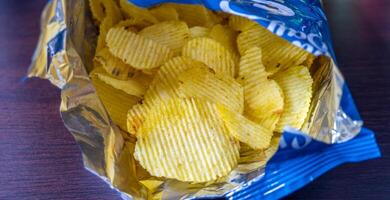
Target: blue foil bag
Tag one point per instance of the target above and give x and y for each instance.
(334, 135)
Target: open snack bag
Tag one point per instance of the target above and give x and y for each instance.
(189, 99)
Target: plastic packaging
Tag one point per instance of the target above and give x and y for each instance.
(331, 136)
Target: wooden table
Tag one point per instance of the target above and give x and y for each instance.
(40, 160)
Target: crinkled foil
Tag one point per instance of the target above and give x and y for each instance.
(64, 55)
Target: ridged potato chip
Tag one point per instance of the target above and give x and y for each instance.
(185, 139)
(278, 53)
(135, 85)
(114, 66)
(132, 11)
(271, 150)
(244, 130)
(199, 31)
(227, 37)
(112, 16)
(164, 13)
(203, 83)
(172, 34)
(115, 101)
(296, 84)
(97, 9)
(135, 117)
(212, 53)
(263, 97)
(195, 15)
(133, 24)
(165, 84)
(224, 16)
(239, 23)
(163, 87)
(135, 50)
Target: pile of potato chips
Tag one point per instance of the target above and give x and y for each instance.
(193, 85)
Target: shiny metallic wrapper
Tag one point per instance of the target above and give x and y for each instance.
(64, 56)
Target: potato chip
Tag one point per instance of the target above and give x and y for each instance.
(112, 17)
(271, 150)
(142, 78)
(203, 83)
(277, 52)
(135, 50)
(251, 158)
(164, 13)
(185, 139)
(115, 101)
(152, 185)
(132, 86)
(103, 8)
(263, 97)
(199, 31)
(227, 37)
(133, 24)
(97, 9)
(296, 84)
(114, 66)
(135, 117)
(132, 11)
(244, 130)
(150, 72)
(239, 23)
(184, 77)
(212, 53)
(223, 16)
(172, 34)
(214, 18)
(164, 85)
(195, 15)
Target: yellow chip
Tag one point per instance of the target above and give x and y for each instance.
(112, 17)
(278, 53)
(115, 101)
(134, 86)
(152, 185)
(132, 11)
(164, 85)
(135, 50)
(199, 31)
(263, 97)
(195, 15)
(271, 150)
(97, 9)
(239, 23)
(103, 8)
(135, 117)
(203, 83)
(227, 37)
(172, 34)
(114, 66)
(224, 17)
(244, 130)
(296, 84)
(133, 24)
(143, 78)
(214, 18)
(212, 53)
(185, 139)
(164, 13)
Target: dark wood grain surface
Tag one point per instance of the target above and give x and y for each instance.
(40, 160)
